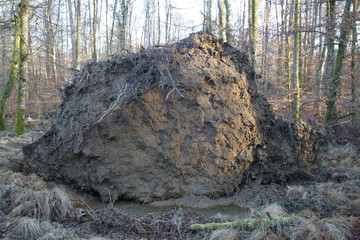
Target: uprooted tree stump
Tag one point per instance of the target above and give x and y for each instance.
(167, 122)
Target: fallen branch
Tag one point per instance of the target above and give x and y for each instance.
(247, 222)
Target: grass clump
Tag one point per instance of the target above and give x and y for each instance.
(343, 160)
(29, 228)
(317, 229)
(224, 234)
(30, 196)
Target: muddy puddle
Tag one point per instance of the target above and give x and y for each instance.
(145, 209)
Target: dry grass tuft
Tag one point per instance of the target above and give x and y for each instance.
(224, 234)
(274, 210)
(29, 228)
(341, 152)
(264, 235)
(344, 159)
(49, 204)
(30, 196)
(58, 234)
(318, 229)
(99, 238)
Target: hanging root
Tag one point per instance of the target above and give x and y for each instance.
(119, 100)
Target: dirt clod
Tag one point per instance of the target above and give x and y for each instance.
(184, 119)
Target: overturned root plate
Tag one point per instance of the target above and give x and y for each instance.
(183, 119)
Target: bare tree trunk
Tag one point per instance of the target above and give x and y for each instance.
(207, 24)
(14, 73)
(222, 19)
(335, 80)
(53, 45)
(23, 68)
(288, 43)
(113, 25)
(296, 57)
(354, 64)
(254, 33)
(78, 35)
(227, 18)
(168, 19)
(123, 22)
(94, 28)
(158, 23)
(72, 28)
(264, 56)
(330, 35)
(319, 80)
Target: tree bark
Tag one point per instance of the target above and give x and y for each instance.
(296, 57)
(254, 33)
(78, 35)
(330, 35)
(23, 68)
(14, 73)
(207, 25)
(95, 11)
(227, 19)
(222, 19)
(335, 80)
(354, 63)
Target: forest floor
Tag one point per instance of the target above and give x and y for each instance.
(303, 209)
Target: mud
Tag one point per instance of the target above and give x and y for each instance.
(170, 122)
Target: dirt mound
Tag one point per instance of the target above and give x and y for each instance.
(183, 119)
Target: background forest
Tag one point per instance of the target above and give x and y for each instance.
(305, 52)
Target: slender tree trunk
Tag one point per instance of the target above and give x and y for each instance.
(113, 25)
(264, 62)
(227, 19)
(78, 35)
(123, 22)
(319, 79)
(254, 33)
(72, 28)
(222, 19)
(288, 53)
(14, 73)
(335, 80)
(23, 68)
(296, 57)
(330, 35)
(94, 28)
(168, 19)
(354, 63)
(53, 45)
(280, 40)
(158, 23)
(207, 16)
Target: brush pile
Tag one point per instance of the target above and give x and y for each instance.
(183, 119)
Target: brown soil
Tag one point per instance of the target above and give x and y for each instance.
(170, 122)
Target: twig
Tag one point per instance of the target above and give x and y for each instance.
(114, 104)
(170, 80)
